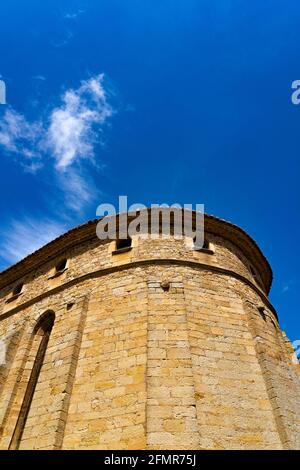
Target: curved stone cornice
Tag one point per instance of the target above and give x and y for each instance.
(87, 231)
(137, 264)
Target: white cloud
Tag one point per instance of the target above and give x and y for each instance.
(27, 235)
(63, 142)
(288, 285)
(17, 135)
(73, 16)
(78, 190)
(62, 39)
(39, 77)
(71, 134)
(65, 137)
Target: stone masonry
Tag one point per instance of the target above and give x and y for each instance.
(158, 346)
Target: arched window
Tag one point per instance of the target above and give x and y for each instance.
(41, 335)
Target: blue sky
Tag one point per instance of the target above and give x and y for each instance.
(161, 100)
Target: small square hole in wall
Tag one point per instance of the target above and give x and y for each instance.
(16, 292)
(61, 266)
(122, 245)
(18, 289)
(262, 312)
(205, 248)
(165, 285)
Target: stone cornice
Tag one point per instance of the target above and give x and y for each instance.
(87, 231)
(136, 264)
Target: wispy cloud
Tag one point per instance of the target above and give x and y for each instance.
(39, 77)
(63, 39)
(65, 22)
(23, 237)
(78, 189)
(72, 134)
(74, 15)
(17, 135)
(67, 135)
(288, 285)
(64, 143)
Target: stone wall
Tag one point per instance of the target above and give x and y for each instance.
(160, 347)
